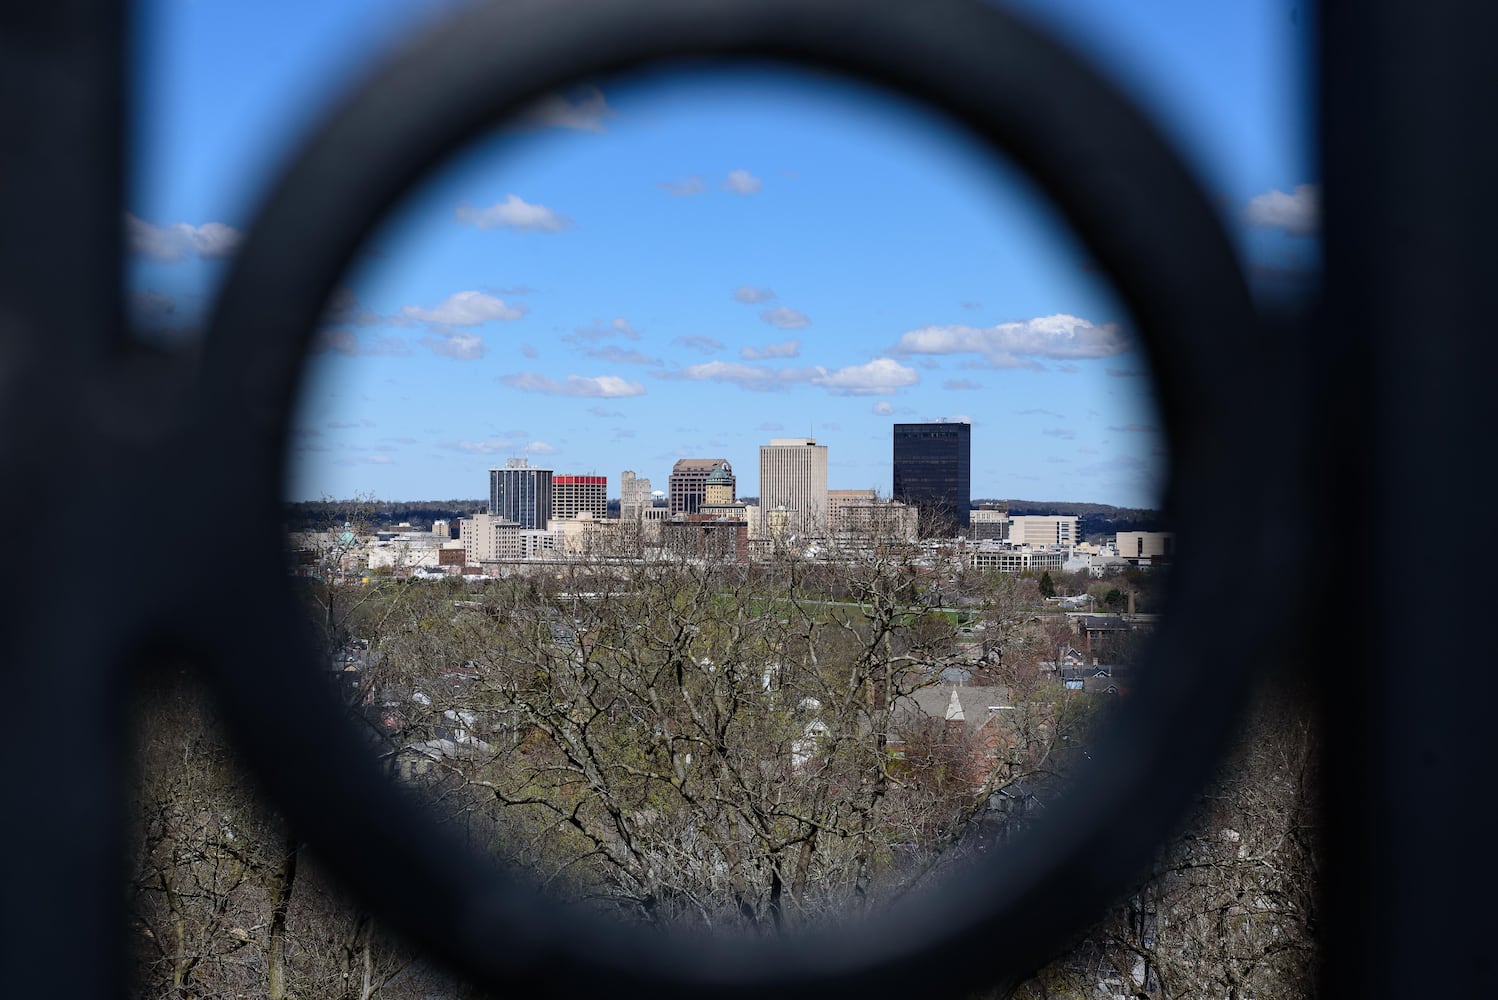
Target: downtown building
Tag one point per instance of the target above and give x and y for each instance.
(793, 488)
(1044, 529)
(521, 494)
(573, 497)
(861, 516)
(989, 523)
(634, 496)
(933, 472)
(687, 487)
(489, 537)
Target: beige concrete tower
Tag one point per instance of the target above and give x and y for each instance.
(793, 473)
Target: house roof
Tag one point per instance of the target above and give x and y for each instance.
(968, 704)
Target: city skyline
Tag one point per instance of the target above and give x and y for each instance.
(648, 270)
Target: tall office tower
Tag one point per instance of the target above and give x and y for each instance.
(688, 483)
(521, 494)
(933, 471)
(793, 475)
(579, 496)
(634, 496)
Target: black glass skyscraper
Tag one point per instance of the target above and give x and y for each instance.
(933, 471)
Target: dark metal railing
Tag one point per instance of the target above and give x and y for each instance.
(1282, 434)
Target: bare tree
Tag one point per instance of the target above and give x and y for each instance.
(1229, 908)
(223, 902)
(702, 741)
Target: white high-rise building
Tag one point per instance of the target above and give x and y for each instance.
(793, 474)
(579, 496)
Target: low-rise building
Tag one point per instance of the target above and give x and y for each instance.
(988, 523)
(487, 537)
(700, 537)
(1014, 559)
(1043, 529)
(587, 534)
(1145, 547)
(862, 516)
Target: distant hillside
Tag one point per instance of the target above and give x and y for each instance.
(1095, 520)
(316, 515)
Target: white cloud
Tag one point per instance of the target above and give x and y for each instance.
(179, 240)
(387, 346)
(619, 355)
(960, 384)
(513, 213)
(599, 411)
(684, 187)
(529, 351)
(742, 182)
(492, 446)
(604, 386)
(540, 448)
(705, 345)
(617, 327)
(785, 318)
(785, 349)
(1297, 213)
(462, 346)
(752, 295)
(883, 409)
(882, 376)
(461, 309)
(1016, 345)
(585, 110)
(743, 376)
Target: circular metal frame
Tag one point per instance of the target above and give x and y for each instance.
(1136, 209)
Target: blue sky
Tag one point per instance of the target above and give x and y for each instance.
(688, 267)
